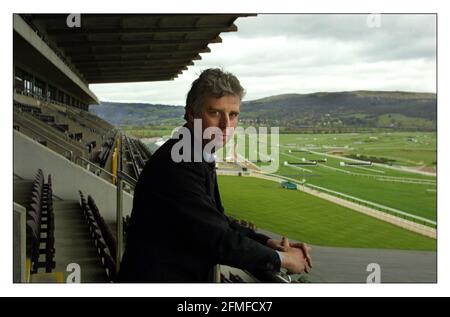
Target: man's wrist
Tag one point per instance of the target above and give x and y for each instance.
(285, 260)
(280, 256)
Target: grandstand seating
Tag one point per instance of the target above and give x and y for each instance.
(56, 139)
(135, 154)
(104, 152)
(101, 235)
(27, 108)
(145, 152)
(40, 225)
(107, 234)
(91, 145)
(61, 127)
(76, 136)
(45, 118)
(73, 133)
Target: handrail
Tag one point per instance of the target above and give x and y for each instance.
(47, 99)
(119, 206)
(48, 139)
(121, 178)
(127, 178)
(93, 164)
(130, 151)
(87, 116)
(119, 223)
(30, 119)
(82, 113)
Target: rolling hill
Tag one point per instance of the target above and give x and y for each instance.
(323, 110)
(139, 114)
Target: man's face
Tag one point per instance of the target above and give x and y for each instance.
(221, 113)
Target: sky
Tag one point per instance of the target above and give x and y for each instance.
(283, 53)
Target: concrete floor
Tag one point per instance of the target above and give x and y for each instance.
(349, 265)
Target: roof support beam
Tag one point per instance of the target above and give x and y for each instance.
(103, 72)
(123, 79)
(132, 63)
(147, 42)
(124, 56)
(129, 31)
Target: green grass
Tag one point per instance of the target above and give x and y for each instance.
(148, 131)
(416, 199)
(307, 218)
(409, 148)
(411, 198)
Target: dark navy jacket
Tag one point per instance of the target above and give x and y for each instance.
(178, 230)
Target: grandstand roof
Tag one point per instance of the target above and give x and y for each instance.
(110, 48)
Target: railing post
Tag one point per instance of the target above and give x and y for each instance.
(119, 223)
(114, 166)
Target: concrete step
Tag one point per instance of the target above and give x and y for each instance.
(55, 277)
(73, 243)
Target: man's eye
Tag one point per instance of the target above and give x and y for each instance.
(214, 113)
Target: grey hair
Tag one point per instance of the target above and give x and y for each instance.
(212, 82)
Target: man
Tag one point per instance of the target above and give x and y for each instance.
(178, 230)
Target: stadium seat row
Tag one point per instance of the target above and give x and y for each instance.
(101, 234)
(41, 225)
(105, 150)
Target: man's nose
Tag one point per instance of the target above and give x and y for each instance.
(224, 121)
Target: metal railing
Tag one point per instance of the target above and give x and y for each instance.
(127, 178)
(121, 179)
(98, 168)
(43, 98)
(53, 142)
(28, 119)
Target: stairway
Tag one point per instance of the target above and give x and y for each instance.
(73, 243)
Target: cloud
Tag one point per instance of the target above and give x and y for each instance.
(275, 54)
